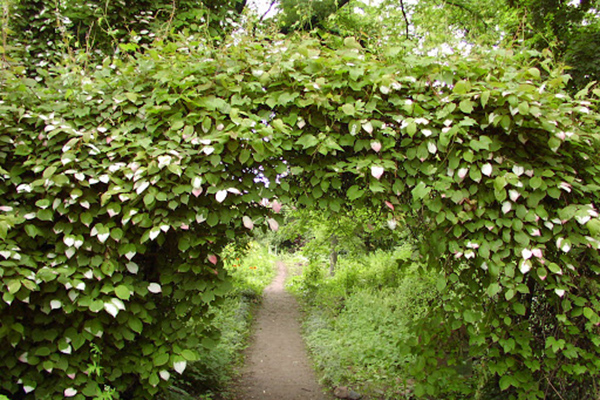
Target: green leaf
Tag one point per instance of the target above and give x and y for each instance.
(161, 359)
(505, 382)
(4, 230)
(493, 289)
(45, 215)
(86, 218)
(244, 156)
(519, 308)
(14, 286)
(535, 182)
(510, 293)
(307, 140)
(524, 108)
(355, 192)
(420, 191)
(189, 355)
(485, 96)
(460, 87)
(348, 109)
(122, 292)
(149, 199)
(354, 127)
(135, 324)
(466, 106)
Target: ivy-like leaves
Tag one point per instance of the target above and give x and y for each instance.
(120, 184)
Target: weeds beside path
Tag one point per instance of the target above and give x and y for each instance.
(277, 365)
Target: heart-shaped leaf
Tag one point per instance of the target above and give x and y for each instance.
(247, 221)
(376, 146)
(180, 366)
(221, 195)
(377, 171)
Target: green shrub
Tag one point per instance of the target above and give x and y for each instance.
(359, 318)
(120, 184)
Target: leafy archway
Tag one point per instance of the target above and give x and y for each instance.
(120, 185)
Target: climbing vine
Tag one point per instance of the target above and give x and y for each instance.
(120, 185)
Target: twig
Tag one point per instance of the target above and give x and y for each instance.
(268, 10)
(405, 17)
(552, 386)
(467, 9)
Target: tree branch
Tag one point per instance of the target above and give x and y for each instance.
(405, 16)
(268, 10)
(467, 9)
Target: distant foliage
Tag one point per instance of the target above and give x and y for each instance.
(121, 184)
(51, 30)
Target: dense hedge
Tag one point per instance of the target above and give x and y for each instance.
(121, 183)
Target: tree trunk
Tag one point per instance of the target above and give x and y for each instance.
(333, 255)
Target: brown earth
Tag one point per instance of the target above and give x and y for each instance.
(277, 365)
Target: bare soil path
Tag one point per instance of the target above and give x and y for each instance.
(277, 365)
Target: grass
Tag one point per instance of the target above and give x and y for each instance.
(356, 321)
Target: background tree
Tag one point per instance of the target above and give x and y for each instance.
(48, 30)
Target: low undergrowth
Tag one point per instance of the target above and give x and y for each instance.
(356, 321)
(252, 269)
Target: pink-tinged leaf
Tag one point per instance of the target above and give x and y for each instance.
(514, 195)
(274, 225)
(185, 227)
(276, 206)
(565, 186)
(376, 146)
(179, 366)
(377, 172)
(164, 375)
(213, 259)
(70, 392)
(197, 192)
(390, 205)
(247, 221)
(525, 266)
(537, 253)
(221, 195)
(487, 169)
(462, 172)
(518, 170)
(154, 287)
(431, 147)
(196, 182)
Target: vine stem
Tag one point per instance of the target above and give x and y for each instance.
(405, 17)
(553, 388)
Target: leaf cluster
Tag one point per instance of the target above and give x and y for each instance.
(121, 184)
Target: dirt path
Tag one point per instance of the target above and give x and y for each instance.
(277, 367)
